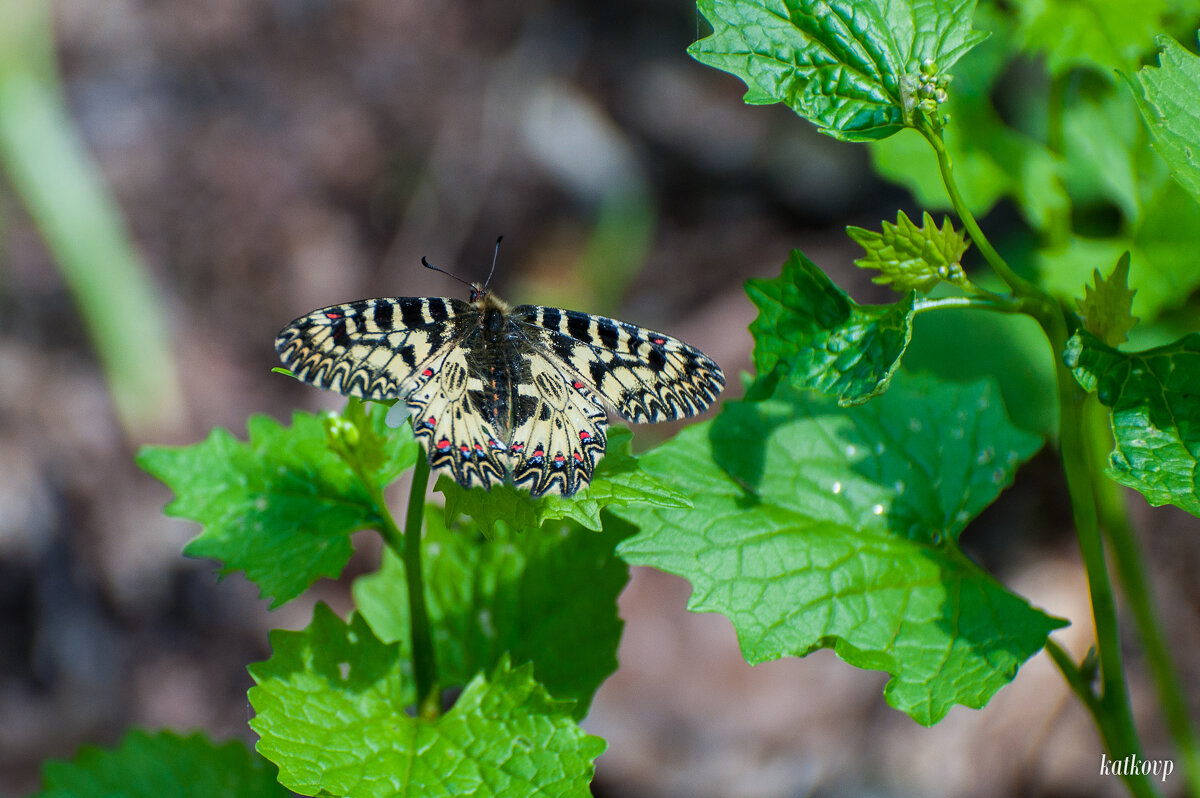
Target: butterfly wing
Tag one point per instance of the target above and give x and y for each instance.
(369, 348)
(577, 363)
(558, 428)
(407, 348)
(646, 376)
(463, 433)
(529, 402)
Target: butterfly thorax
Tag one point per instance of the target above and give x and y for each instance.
(492, 312)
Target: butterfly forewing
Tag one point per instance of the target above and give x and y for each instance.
(499, 394)
(369, 347)
(645, 376)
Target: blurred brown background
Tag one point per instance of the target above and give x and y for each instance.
(273, 156)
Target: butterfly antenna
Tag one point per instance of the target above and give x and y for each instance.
(495, 257)
(429, 265)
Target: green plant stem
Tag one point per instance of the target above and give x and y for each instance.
(1132, 571)
(1019, 285)
(424, 662)
(997, 304)
(407, 546)
(1110, 709)
(1075, 677)
(45, 158)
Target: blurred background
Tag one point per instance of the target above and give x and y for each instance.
(180, 180)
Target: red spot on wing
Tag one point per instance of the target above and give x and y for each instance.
(577, 385)
(427, 373)
(443, 445)
(333, 315)
(584, 435)
(657, 340)
(578, 457)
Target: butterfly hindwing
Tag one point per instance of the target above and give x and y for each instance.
(646, 376)
(558, 433)
(460, 434)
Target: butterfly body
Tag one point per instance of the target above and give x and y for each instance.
(497, 392)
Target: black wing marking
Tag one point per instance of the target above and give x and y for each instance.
(645, 375)
(371, 347)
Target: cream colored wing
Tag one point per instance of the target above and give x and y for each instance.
(558, 431)
(646, 376)
(369, 347)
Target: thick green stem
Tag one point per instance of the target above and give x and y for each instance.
(407, 545)
(1131, 569)
(424, 662)
(1110, 708)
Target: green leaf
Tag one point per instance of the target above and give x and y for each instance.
(1169, 103)
(330, 709)
(362, 437)
(1162, 250)
(964, 345)
(149, 765)
(618, 482)
(849, 68)
(992, 160)
(1155, 401)
(280, 507)
(818, 526)
(1106, 309)
(546, 596)
(912, 258)
(1100, 34)
(822, 338)
(1103, 142)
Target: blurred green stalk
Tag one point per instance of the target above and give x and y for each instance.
(47, 164)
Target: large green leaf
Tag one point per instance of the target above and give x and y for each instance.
(330, 709)
(1155, 401)
(848, 67)
(163, 764)
(819, 526)
(821, 338)
(281, 506)
(544, 595)
(1169, 99)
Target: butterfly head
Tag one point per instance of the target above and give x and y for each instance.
(484, 301)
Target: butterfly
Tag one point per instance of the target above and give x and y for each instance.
(501, 393)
